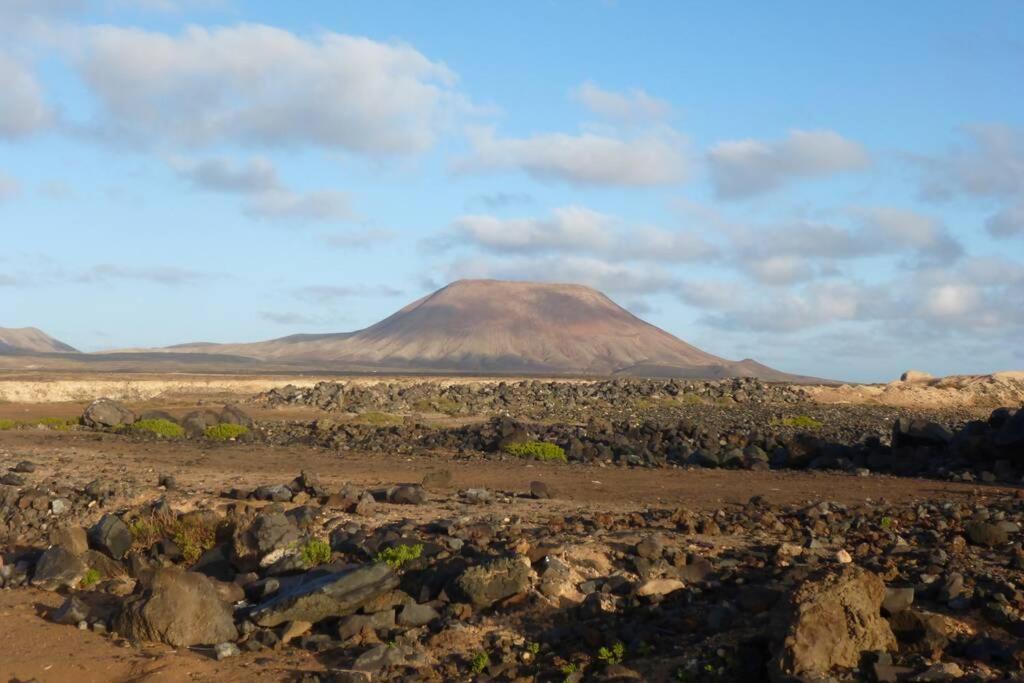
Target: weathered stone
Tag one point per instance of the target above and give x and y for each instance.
(104, 413)
(322, 597)
(416, 615)
(112, 536)
(897, 599)
(71, 538)
(986, 534)
(58, 568)
(409, 494)
(486, 584)
(829, 620)
(179, 608)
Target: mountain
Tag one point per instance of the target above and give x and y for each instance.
(492, 326)
(28, 340)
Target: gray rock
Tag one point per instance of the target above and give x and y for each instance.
(652, 547)
(409, 494)
(539, 490)
(225, 650)
(384, 657)
(278, 493)
(486, 584)
(112, 536)
(71, 612)
(273, 531)
(232, 414)
(897, 599)
(354, 624)
(417, 615)
(196, 422)
(986, 534)
(25, 467)
(179, 608)
(58, 568)
(72, 539)
(331, 595)
(104, 413)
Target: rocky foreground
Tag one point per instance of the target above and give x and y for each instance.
(416, 581)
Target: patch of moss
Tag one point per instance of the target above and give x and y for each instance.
(398, 555)
(192, 536)
(159, 427)
(538, 450)
(60, 423)
(91, 578)
(225, 431)
(798, 421)
(7, 424)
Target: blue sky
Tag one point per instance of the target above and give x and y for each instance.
(833, 190)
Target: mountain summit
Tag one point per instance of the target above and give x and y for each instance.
(18, 340)
(492, 326)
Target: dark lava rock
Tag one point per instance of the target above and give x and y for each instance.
(58, 568)
(409, 494)
(179, 608)
(112, 536)
(71, 612)
(329, 595)
(417, 615)
(25, 467)
(104, 413)
(539, 490)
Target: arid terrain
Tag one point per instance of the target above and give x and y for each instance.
(317, 528)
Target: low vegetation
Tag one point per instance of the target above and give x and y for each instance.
(61, 423)
(538, 450)
(225, 431)
(159, 427)
(91, 578)
(398, 555)
(612, 655)
(481, 660)
(799, 422)
(439, 405)
(192, 535)
(315, 552)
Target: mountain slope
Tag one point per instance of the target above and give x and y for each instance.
(505, 327)
(23, 340)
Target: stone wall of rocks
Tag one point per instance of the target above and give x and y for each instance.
(527, 398)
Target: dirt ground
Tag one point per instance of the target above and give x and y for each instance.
(32, 648)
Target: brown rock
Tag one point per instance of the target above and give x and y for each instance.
(829, 620)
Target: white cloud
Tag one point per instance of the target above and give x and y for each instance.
(887, 228)
(332, 293)
(633, 107)
(596, 273)
(162, 275)
(223, 175)
(1007, 222)
(22, 108)
(320, 205)
(652, 158)
(268, 198)
(256, 84)
(359, 239)
(741, 168)
(577, 230)
(990, 165)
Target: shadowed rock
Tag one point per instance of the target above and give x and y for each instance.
(331, 595)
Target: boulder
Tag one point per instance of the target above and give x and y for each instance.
(316, 598)
(485, 585)
(105, 413)
(112, 536)
(910, 432)
(828, 621)
(916, 377)
(233, 415)
(58, 568)
(71, 538)
(408, 494)
(179, 608)
(196, 422)
(986, 534)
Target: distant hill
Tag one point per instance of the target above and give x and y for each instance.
(22, 340)
(492, 326)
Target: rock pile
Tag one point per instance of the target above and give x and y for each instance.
(472, 587)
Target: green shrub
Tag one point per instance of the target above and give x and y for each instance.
(192, 536)
(61, 423)
(481, 660)
(159, 427)
(225, 431)
(538, 450)
(316, 552)
(7, 424)
(91, 578)
(613, 655)
(398, 555)
(799, 421)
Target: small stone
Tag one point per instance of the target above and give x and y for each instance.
(225, 650)
(843, 557)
